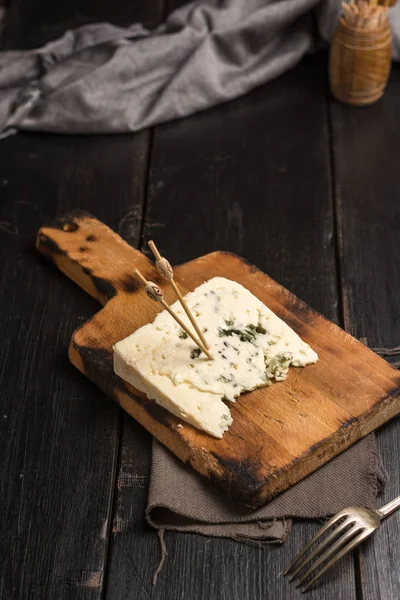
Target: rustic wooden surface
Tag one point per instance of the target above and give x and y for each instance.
(280, 434)
(367, 191)
(74, 470)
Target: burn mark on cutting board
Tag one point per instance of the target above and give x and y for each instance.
(48, 245)
(130, 284)
(99, 367)
(104, 287)
(157, 412)
(99, 360)
(348, 423)
(234, 471)
(392, 396)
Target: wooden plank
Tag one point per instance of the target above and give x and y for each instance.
(243, 177)
(32, 23)
(64, 492)
(366, 150)
(279, 433)
(58, 434)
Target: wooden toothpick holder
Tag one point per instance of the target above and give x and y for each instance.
(360, 62)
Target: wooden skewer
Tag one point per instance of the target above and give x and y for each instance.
(154, 292)
(165, 270)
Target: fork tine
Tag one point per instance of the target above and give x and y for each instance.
(321, 531)
(330, 538)
(325, 555)
(348, 548)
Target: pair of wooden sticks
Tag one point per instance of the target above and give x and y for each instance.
(153, 291)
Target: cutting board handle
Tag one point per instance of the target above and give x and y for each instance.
(93, 255)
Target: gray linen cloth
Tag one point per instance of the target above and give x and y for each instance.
(106, 79)
(180, 500)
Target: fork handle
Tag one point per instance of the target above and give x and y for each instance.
(389, 508)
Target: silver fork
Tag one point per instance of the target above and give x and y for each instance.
(354, 525)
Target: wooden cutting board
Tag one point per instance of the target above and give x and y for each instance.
(280, 433)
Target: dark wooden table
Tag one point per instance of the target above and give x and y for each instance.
(305, 188)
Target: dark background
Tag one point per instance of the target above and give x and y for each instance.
(304, 187)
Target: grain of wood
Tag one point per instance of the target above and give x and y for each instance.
(58, 434)
(33, 23)
(367, 187)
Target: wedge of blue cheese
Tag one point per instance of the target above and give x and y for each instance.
(251, 346)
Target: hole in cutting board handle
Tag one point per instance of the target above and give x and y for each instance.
(69, 227)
